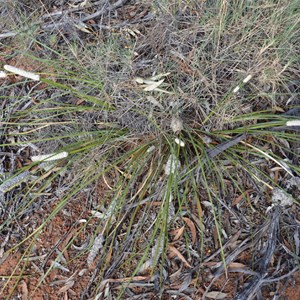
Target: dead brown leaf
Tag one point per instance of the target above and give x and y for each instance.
(240, 197)
(66, 241)
(80, 101)
(192, 228)
(121, 280)
(178, 233)
(216, 295)
(109, 255)
(236, 265)
(210, 263)
(24, 290)
(173, 250)
(67, 286)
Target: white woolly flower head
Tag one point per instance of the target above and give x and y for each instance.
(49, 157)
(21, 72)
(179, 142)
(293, 123)
(3, 74)
(247, 78)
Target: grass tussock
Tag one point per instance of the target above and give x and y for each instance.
(176, 122)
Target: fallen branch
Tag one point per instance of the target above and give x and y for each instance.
(74, 9)
(224, 146)
(105, 10)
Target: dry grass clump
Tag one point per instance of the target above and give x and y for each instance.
(172, 118)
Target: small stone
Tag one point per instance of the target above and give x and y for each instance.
(281, 198)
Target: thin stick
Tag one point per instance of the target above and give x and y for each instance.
(105, 10)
